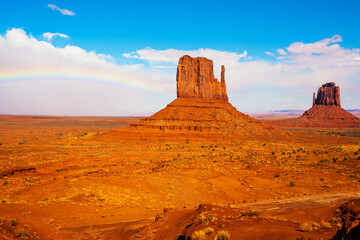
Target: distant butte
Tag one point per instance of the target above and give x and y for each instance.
(326, 112)
(202, 105)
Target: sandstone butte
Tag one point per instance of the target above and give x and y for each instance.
(326, 112)
(202, 105)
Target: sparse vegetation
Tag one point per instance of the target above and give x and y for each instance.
(13, 222)
(202, 218)
(222, 235)
(249, 213)
(198, 235)
(201, 234)
(292, 184)
(310, 226)
(209, 231)
(22, 233)
(118, 172)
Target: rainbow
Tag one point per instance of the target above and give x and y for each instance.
(13, 76)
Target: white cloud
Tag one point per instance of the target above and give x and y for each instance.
(281, 51)
(300, 69)
(30, 56)
(49, 36)
(62, 11)
(324, 46)
(173, 55)
(269, 53)
(253, 84)
(25, 59)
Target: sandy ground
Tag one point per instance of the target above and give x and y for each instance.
(90, 178)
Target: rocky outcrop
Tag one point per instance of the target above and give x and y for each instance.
(328, 94)
(195, 79)
(350, 217)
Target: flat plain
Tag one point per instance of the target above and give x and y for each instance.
(97, 178)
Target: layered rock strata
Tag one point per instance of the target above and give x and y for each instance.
(328, 94)
(195, 79)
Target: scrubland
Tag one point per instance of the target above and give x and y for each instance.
(94, 178)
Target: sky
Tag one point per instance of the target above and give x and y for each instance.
(118, 58)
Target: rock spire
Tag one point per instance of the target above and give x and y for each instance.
(195, 79)
(328, 94)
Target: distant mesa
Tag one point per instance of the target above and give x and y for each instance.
(202, 105)
(326, 112)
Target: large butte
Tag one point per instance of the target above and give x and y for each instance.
(202, 105)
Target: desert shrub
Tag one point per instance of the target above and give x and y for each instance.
(325, 225)
(306, 227)
(136, 235)
(201, 234)
(198, 235)
(249, 213)
(26, 213)
(209, 230)
(22, 234)
(292, 184)
(222, 235)
(202, 218)
(13, 223)
(309, 226)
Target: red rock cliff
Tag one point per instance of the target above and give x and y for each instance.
(328, 94)
(195, 79)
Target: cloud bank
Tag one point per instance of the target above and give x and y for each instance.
(300, 64)
(52, 80)
(62, 11)
(74, 81)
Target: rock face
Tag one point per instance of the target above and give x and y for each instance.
(202, 105)
(195, 79)
(326, 112)
(350, 217)
(328, 94)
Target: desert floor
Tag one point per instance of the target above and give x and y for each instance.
(95, 178)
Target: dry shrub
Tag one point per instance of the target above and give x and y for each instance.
(249, 213)
(198, 235)
(309, 226)
(22, 234)
(222, 235)
(306, 227)
(325, 225)
(201, 234)
(202, 218)
(209, 230)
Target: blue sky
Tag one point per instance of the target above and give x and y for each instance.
(268, 47)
